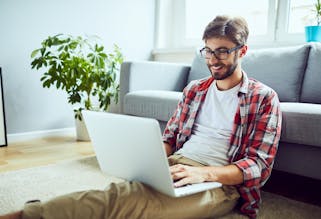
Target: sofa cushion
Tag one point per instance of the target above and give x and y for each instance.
(311, 88)
(146, 75)
(151, 103)
(280, 68)
(301, 123)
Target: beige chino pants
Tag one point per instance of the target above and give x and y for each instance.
(135, 200)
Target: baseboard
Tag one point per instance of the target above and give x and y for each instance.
(25, 136)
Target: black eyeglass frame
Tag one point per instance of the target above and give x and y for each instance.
(219, 51)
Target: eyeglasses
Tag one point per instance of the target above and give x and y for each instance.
(220, 54)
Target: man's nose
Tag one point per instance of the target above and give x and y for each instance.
(212, 60)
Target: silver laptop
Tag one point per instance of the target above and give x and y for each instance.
(131, 148)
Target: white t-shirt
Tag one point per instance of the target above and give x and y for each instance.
(210, 139)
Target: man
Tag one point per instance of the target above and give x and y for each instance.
(226, 128)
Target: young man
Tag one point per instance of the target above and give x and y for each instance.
(226, 129)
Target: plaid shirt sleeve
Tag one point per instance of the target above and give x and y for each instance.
(263, 137)
(259, 146)
(172, 128)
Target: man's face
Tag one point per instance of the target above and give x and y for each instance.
(221, 69)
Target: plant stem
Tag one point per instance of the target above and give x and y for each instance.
(88, 102)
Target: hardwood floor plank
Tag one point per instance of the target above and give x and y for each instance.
(43, 151)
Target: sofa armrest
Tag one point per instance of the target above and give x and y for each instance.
(148, 75)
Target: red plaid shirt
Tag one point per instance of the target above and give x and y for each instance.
(255, 136)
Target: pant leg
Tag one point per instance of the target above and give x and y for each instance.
(180, 159)
(135, 200)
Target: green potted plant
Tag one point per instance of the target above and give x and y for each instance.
(313, 33)
(80, 67)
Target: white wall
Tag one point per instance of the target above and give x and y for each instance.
(24, 24)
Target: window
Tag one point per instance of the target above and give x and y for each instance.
(293, 15)
(301, 14)
(271, 22)
(198, 16)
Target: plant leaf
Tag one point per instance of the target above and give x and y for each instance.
(34, 53)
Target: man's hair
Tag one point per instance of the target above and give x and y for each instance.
(233, 28)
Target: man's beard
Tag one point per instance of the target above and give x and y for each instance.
(230, 70)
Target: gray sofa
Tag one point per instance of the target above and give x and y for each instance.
(152, 89)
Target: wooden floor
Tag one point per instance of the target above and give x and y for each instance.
(42, 151)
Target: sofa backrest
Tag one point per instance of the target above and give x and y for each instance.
(199, 68)
(311, 88)
(282, 69)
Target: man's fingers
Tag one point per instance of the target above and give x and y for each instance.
(178, 175)
(182, 182)
(177, 168)
(184, 175)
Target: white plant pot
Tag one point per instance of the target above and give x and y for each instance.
(81, 131)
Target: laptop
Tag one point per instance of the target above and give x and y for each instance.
(131, 148)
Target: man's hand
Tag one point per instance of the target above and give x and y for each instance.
(183, 174)
(227, 175)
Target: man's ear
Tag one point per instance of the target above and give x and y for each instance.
(243, 51)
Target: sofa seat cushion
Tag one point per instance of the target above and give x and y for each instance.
(301, 123)
(156, 104)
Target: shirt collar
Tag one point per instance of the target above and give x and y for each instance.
(206, 83)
